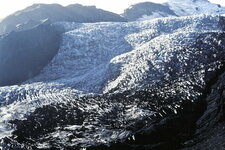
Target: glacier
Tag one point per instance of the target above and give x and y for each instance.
(109, 77)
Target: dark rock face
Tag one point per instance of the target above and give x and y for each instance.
(210, 132)
(146, 8)
(24, 54)
(33, 15)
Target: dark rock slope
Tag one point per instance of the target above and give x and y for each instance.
(33, 15)
(210, 128)
(24, 54)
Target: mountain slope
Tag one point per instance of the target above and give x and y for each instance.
(33, 15)
(192, 7)
(24, 54)
(120, 86)
(149, 10)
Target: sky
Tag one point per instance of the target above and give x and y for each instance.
(8, 7)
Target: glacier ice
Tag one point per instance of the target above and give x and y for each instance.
(169, 57)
